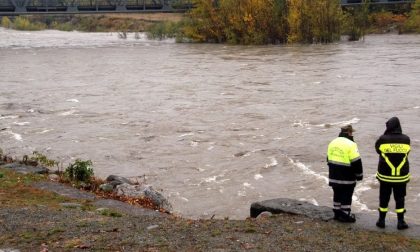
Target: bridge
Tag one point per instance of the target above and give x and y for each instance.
(25, 7)
(22, 7)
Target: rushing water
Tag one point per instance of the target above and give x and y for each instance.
(215, 127)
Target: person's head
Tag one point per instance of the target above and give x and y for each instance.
(347, 129)
(393, 126)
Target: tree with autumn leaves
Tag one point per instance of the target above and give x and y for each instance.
(264, 21)
(275, 22)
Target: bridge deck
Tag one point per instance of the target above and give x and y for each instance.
(24, 7)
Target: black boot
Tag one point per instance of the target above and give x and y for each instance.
(381, 221)
(336, 214)
(401, 223)
(346, 217)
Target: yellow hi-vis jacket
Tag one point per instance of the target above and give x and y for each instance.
(344, 162)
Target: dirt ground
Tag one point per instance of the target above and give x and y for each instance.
(37, 215)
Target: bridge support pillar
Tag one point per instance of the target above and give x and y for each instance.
(20, 9)
(121, 8)
(72, 9)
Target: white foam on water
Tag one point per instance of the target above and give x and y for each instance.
(358, 191)
(193, 144)
(44, 131)
(258, 176)
(9, 117)
(21, 123)
(186, 134)
(70, 112)
(72, 100)
(307, 170)
(248, 185)
(340, 123)
(16, 136)
(273, 163)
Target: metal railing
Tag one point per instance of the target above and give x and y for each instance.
(22, 7)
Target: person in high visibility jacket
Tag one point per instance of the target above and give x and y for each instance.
(345, 168)
(393, 173)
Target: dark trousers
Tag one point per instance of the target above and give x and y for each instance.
(343, 197)
(385, 190)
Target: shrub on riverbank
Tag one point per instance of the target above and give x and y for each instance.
(85, 23)
(261, 22)
(282, 21)
(413, 22)
(22, 23)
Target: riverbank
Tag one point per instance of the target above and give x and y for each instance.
(33, 218)
(134, 22)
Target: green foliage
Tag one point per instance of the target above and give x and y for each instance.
(356, 21)
(237, 21)
(79, 171)
(22, 23)
(260, 22)
(163, 30)
(413, 22)
(55, 25)
(110, 213)
(5, 22)
(42, 159)
(316, 21)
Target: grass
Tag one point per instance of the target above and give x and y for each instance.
(16, 191)
(59, 229)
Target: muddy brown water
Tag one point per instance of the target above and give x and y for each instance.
(215, 127)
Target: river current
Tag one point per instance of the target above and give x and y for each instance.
(215, 127)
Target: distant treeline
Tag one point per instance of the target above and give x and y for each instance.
(280, 21)
(244, 22)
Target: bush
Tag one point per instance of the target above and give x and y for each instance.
(5, 22)
(356, 21)
(259, 22)
(42, 159)
(413, 22)
(314, 21)
(79, 171)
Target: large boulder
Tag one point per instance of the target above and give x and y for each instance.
(291, 206)
(118, 180)
(144, 191)
(26, 169)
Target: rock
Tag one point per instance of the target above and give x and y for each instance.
(158, 199)
(136, 191)
(106, 187)
(26, 169)
(140, 191)
(118, 180)
(281, 205)
(53, 177)
(152, 227)
(264, 215)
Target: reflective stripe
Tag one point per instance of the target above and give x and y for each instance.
(395, 149)
(393, 179)
(338, 163)
(337, 207)
(384, 210)
(359, 175)
(345, 207)
(355, 159)
(401, 210)
(342, 182)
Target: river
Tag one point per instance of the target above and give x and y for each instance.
(215, 127)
